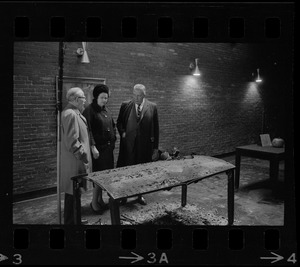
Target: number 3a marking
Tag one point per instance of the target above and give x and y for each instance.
(292, 258)
(152, 256)
(18, 258)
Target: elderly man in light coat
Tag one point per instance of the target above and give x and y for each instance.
(75, 147)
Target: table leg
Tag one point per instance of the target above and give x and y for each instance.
(274, 169)
(77, 202)
(237, 168)
(230, 196)
(183, 194)
(114, 211)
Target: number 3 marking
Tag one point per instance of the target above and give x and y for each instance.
(18, 258)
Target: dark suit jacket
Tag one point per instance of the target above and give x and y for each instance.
(141, 137)
(102, 134)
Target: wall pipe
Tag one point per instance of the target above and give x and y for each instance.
(59, 86)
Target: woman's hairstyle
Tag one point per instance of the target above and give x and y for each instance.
(100, 88)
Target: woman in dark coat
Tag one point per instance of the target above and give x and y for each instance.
(103, 137)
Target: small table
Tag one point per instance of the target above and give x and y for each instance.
(273, 154)
(142, 179)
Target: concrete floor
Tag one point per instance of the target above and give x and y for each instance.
(256, 203)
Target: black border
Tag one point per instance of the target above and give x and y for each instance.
(147, 13)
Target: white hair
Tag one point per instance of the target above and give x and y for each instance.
(140, 87)
(73, 93)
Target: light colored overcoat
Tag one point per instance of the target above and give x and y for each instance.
(75, 147)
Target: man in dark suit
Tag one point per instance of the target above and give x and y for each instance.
(138, 127)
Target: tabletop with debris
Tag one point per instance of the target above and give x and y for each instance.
(154, 176)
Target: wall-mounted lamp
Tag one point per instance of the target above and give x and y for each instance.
(195, 68)
(258, 79)
(81, 52)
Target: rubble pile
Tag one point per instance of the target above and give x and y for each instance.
(174, 214)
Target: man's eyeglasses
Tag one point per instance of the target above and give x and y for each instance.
(83, 97)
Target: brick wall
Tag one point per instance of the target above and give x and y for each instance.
(211, 114)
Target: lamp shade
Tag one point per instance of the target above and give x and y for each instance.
(85, 58)
(258, 79)
(196, 70)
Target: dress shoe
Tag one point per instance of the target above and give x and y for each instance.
(141, 201)
(99, 212)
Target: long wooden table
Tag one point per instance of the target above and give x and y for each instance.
(142, 179)
(273, 154)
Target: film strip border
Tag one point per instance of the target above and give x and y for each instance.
(165, 27)
(169, 22)
(192, 22)
(168, 245)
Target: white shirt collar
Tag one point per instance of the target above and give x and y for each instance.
(141, 106)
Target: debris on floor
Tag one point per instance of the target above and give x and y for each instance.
(166, 213)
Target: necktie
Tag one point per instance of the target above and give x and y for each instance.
(138, 112)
